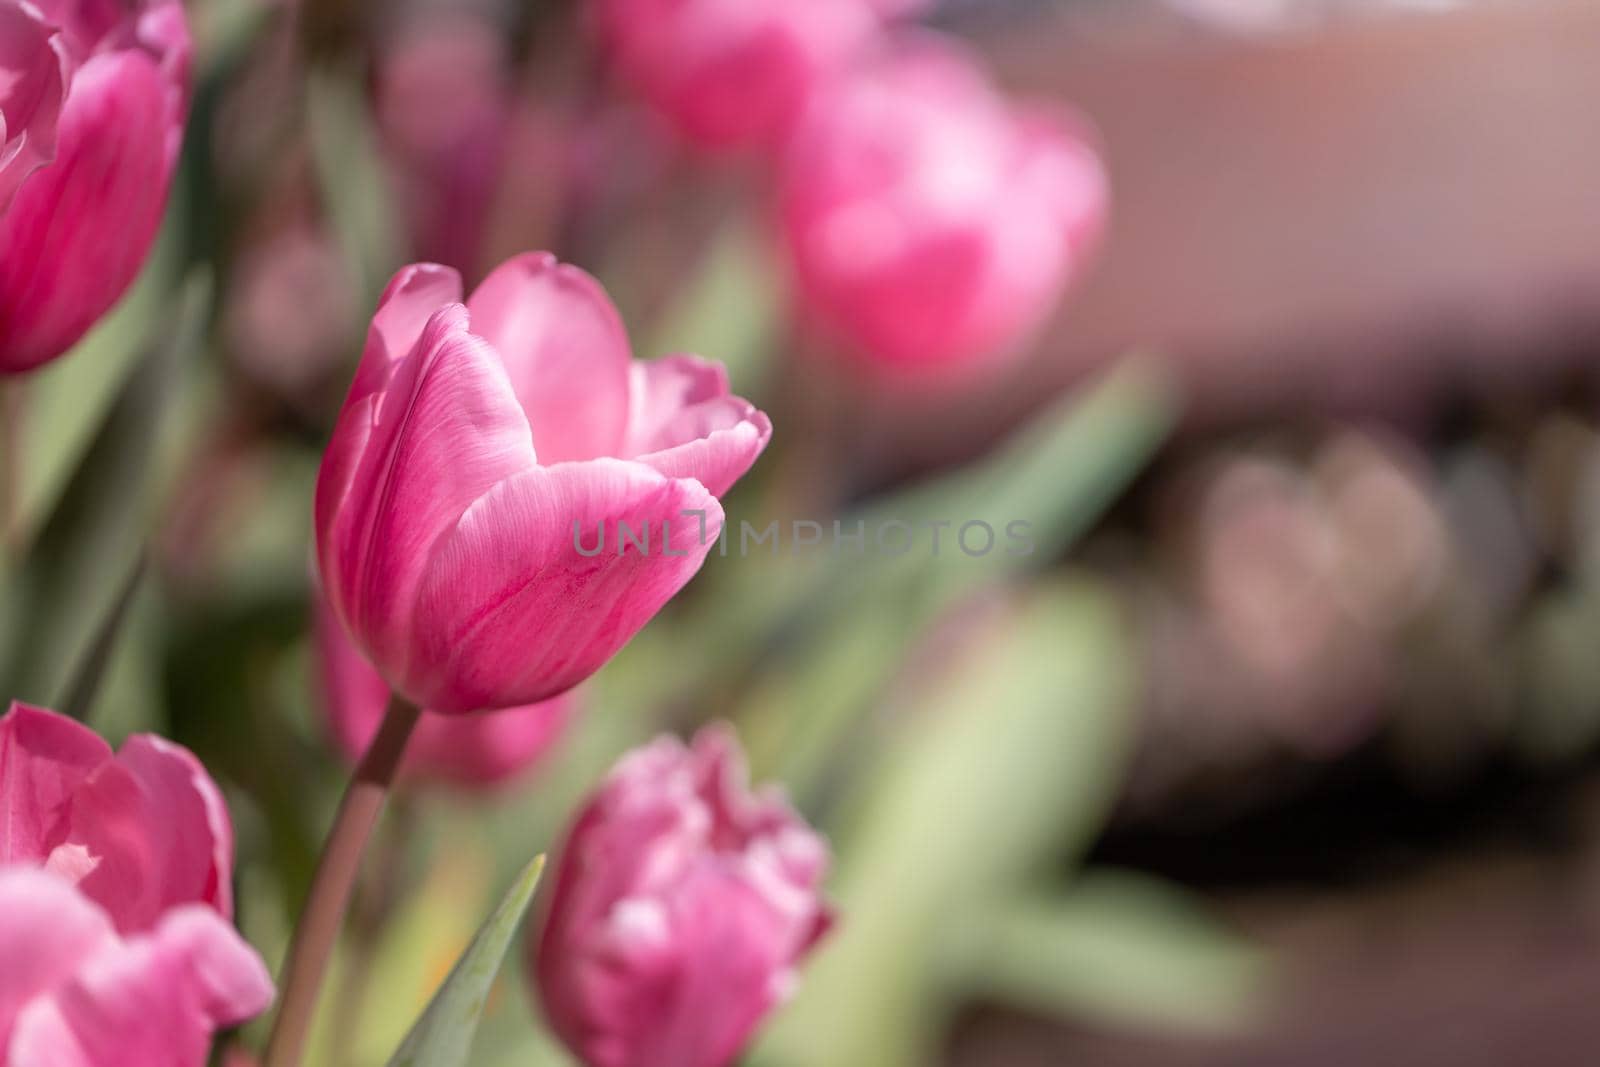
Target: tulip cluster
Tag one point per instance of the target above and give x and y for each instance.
(929, 223)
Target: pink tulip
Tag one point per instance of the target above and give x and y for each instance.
(683, 904)
(931, 224)
(139, 832)
(484, 451)
(79, 223)
(732, 73)
(466, 751)
(444, 111)
(78, 991)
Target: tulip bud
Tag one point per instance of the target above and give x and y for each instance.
(508, 497)
(476, 751)
(731, 73)
(931, 224)
(80, 221)
(683, 903)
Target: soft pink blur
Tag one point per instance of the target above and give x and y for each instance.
(80, 222)
(683, 905)
(114, 901)
(444, 110)
(477, 751)
(476, 441)
(932, 224)
(76, 992)
(730, 73)
(139, 831)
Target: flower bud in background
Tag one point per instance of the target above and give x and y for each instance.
(731, 73)
(479, 445)
(469, 752)
(931, 224)
(78, 226)
(443, 110)
(683, 904)
(139, 831)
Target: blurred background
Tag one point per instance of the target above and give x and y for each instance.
(1281, 749)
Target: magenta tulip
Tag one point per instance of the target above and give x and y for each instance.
(139, 832)
(77, 991)
(683, 905)
(508, 497)
(81, 220)
(931, 224)
(731, 73)
(471, 752)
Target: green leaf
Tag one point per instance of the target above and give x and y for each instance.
(1006, 760)
(442, 1037)
(1114, 947)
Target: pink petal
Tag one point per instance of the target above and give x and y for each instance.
(194, 835)
(44, 757)
(448, 429)
(32, 83)
(78, 231)
(470, 752)
(685, 424)
(565, 349)
(150, 1001)
(47, 930)
(510, 611)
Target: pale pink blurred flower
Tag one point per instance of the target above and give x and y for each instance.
(732, 73)
(683, 905)
(115, 897)
(80, 221)
(139, 831)
(477, 751)
(291, 307)
(932, 224)
(444, 113)
(78, 992)
(477, 444)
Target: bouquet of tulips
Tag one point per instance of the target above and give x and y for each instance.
(505, 519)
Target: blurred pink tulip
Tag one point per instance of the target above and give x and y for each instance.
(466, 751)
(731, 73)
(683, 903)
(481, 453)
(444, 111)
(931, 224)
(77, 991)
(139, 832)
(79, 223)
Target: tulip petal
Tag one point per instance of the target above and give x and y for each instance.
(47, 930)
(448, 429)
(44, 758)
(565, 349)
(32, 83)
(153, 999)
(512, 612)
(189, 817)
(77, 233)
(411, 298)
(685, 424)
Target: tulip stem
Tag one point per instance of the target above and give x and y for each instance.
(333, 883)
(12, 406)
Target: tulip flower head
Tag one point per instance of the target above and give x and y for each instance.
(477, 443)
(683, 904)
(92, 103)
(469, 752)
(931, 224)
(115, 898)
(733, 73)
